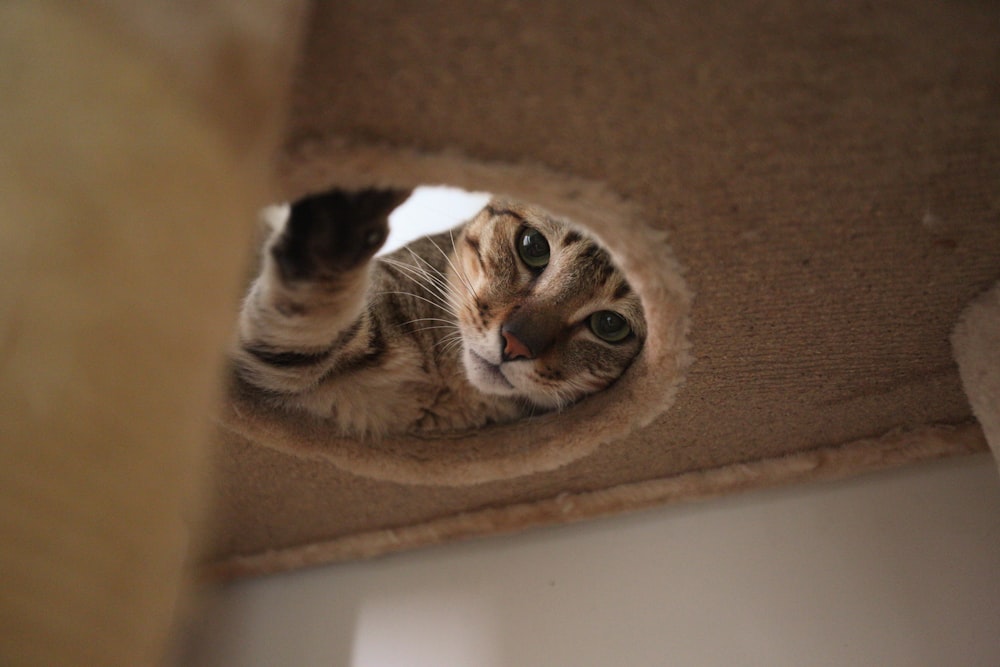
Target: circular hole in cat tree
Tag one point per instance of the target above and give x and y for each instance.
(525, 446)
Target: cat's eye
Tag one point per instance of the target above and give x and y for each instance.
(609, 326)
(533, 248)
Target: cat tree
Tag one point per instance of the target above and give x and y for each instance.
(825, 178)
(805, 196)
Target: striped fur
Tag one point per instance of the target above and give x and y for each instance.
(412, 342)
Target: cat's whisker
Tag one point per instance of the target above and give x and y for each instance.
(434, 327)
(428, 319)
(450, 342)
(421, 268)
(460, 273)
(455, 335)
(418, 273)
(451, 349)
(437, 281)
(421, 298)
(449, 346)
(423, 265)
(451, 264)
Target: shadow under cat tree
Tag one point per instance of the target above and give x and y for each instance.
(524, 446)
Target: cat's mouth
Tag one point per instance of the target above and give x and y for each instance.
(486, 375)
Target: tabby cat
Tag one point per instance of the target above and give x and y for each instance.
(511, 314)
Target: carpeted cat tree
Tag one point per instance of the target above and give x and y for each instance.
(806, 196)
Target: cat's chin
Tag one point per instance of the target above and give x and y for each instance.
(485, 376)
(489, 378)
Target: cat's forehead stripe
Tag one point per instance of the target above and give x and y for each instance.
(591, 251)
(473, 242)
(593, 259)
(623, 290)
(497, 212)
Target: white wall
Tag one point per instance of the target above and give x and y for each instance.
(899, 568)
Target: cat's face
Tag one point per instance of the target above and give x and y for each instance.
(544, 314)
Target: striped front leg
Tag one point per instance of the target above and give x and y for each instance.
(305, 315)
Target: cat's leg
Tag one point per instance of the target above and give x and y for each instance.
(305, 314)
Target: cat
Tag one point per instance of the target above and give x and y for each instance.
(512, 314)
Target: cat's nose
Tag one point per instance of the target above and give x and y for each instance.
(528, 332)
(514, 348)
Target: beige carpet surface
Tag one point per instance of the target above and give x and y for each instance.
(828, 176)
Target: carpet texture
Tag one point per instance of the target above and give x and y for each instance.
(827, 178)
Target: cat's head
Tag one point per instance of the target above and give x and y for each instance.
(544, 314)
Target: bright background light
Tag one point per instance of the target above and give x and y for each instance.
(431, 209)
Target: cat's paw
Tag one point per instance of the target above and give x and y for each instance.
(334, 232)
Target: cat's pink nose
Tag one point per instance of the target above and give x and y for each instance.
(514, 348)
